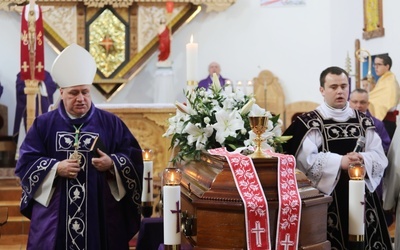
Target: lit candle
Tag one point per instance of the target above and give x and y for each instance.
(172, 206)
(191, 61)
(356, 206)
(147, 190)
(249, 88)
(239, 87)
(228, 87)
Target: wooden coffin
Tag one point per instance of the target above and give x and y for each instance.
(213, 213)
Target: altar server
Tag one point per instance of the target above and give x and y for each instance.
(74, 199)
(323, 143)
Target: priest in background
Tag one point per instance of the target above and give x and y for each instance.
(73, 198)
(214, 67)
(44, 99)
(323, 143)
(385, 97)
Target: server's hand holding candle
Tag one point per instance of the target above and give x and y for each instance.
(172, 208)
(147, 190)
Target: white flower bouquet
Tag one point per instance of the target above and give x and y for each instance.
(213, 118)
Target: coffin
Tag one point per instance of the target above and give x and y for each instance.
(213, 213)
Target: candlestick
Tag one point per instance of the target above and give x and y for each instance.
(172, 208)
(249, 88)
(356, 205)
(191, 61)
(147, 190)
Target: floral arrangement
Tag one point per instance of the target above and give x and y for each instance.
(214, 118)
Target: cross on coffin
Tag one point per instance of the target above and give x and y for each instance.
(287, 242)
(258, 230)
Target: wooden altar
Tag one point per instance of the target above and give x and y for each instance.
(147, 122)
(213, 213)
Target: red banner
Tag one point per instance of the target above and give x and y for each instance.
(255, 203)
(32, 45)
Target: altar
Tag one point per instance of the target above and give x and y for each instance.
(147, 122)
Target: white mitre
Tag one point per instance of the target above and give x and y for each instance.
(73, 66)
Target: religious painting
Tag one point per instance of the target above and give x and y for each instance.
(373, 19)
(281, 3)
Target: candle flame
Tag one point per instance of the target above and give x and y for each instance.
(191, 38)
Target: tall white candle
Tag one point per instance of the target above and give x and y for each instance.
(191, 61)
(172, 215)
(239, 87)
(356, 207)
(249, 88)
(147, 191)
(228, 87)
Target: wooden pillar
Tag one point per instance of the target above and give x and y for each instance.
(31, 90)
(357, 66)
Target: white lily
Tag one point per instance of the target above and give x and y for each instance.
(216, 85)
(227, 124)
(198, 135)
(247, 107)
(176, 123)
(257, 111)
(185, 109)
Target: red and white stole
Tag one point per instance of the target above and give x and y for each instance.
(32, 59)
(255, 202)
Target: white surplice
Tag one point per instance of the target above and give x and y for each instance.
(323, 168)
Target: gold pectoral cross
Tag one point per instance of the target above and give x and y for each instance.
(75, 155)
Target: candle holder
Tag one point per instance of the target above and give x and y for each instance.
(147, 190)
(172, 208)
(258, 125)
(356, 171)
(191, 86)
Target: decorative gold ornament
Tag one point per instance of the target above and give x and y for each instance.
(107, 40)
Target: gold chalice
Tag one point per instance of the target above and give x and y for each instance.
(258, 125)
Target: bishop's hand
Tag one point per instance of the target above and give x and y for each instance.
(68, 168)
(102, 163)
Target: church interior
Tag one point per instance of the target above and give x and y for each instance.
(277, 48)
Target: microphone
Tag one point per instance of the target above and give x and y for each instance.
(360, 144)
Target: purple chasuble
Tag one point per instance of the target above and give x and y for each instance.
(82, 213)
(206, 83)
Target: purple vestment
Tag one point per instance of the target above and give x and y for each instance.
(82, 212)
(45, 101)
(381, 130)
(205, 83)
